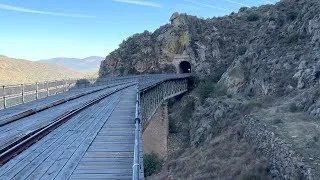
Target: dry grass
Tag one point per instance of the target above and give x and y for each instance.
(226, 157)
(223, 155)
(17, 71)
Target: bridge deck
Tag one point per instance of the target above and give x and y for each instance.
(96, 143)
(110, 156)
(10, 132)
(23, 109)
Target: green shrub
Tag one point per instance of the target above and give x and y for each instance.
(293, 37)
(252, 105)
(205, 89)
(253, 17)
(184, 38)
(187, 110)
(82, 82)
(277, 121)
(292, 15)
(293, 107)
(316, 138)
(152, 164)
(241, 50)
(221, 90)
(259, 172)
(121, 70)
(172, 127)
(242, 9)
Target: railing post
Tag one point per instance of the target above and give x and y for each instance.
(65, 86)
(22, 93)
(136, 159)
(47, 85)
(4, 97)
(37, 90)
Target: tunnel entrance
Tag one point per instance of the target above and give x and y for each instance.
(185, 67)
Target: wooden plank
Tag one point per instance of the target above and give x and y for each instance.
(38, 147)
(56, 164)
(103, 163)
(115, 141)
(106, 159)
(117, 148)
(44, 117)
(128, 125)
(101, 176)
(104, 171)
(55, 154)
(117, 133)
(122, 165)
(64, 172)
(111, 152)
(63, 137)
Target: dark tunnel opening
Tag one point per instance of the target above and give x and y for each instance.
(185, 67)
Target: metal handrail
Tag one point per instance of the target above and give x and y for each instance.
(136, 160)
(20, 92)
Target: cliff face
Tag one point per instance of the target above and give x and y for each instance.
(261, 71)
(252, 47)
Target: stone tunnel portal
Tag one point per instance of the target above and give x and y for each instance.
(185, 67)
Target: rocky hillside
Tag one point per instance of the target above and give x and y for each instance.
(258, 87)
(16, 71)
(257, 45)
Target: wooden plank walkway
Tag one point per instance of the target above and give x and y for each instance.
(95, 144)
(110, 156)
(11, 132)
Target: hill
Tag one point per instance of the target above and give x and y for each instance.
(86, 65)
(16, 71)
(255, 110)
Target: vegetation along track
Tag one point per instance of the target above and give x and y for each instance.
(16, 147)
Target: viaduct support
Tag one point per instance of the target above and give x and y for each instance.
(155, 136)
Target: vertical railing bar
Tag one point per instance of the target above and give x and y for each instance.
(22, 93)
(47, 84)
(4, 97)
(37, 90)
(136, 160)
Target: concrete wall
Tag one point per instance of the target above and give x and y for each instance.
(155, 136)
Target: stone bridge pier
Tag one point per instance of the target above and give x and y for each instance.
(154, 114)
(155, 136)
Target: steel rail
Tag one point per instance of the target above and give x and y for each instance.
(26, 141)
(136, 154)
(30, 112)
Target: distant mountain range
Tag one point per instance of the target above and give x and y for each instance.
(86, 65)
(18, 71)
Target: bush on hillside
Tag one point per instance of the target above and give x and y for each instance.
(293, 37)
(294, 108)
(152, 164)
(241, 50)
(187, 110)
(292, 15)
(242, 9)
(205, 89)
(172, 127)
(253, 17)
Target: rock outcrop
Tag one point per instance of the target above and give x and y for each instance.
(258, 54)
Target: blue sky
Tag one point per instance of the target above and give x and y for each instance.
(41, 29)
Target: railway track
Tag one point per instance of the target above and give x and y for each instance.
(18, 145)
(30, 112)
